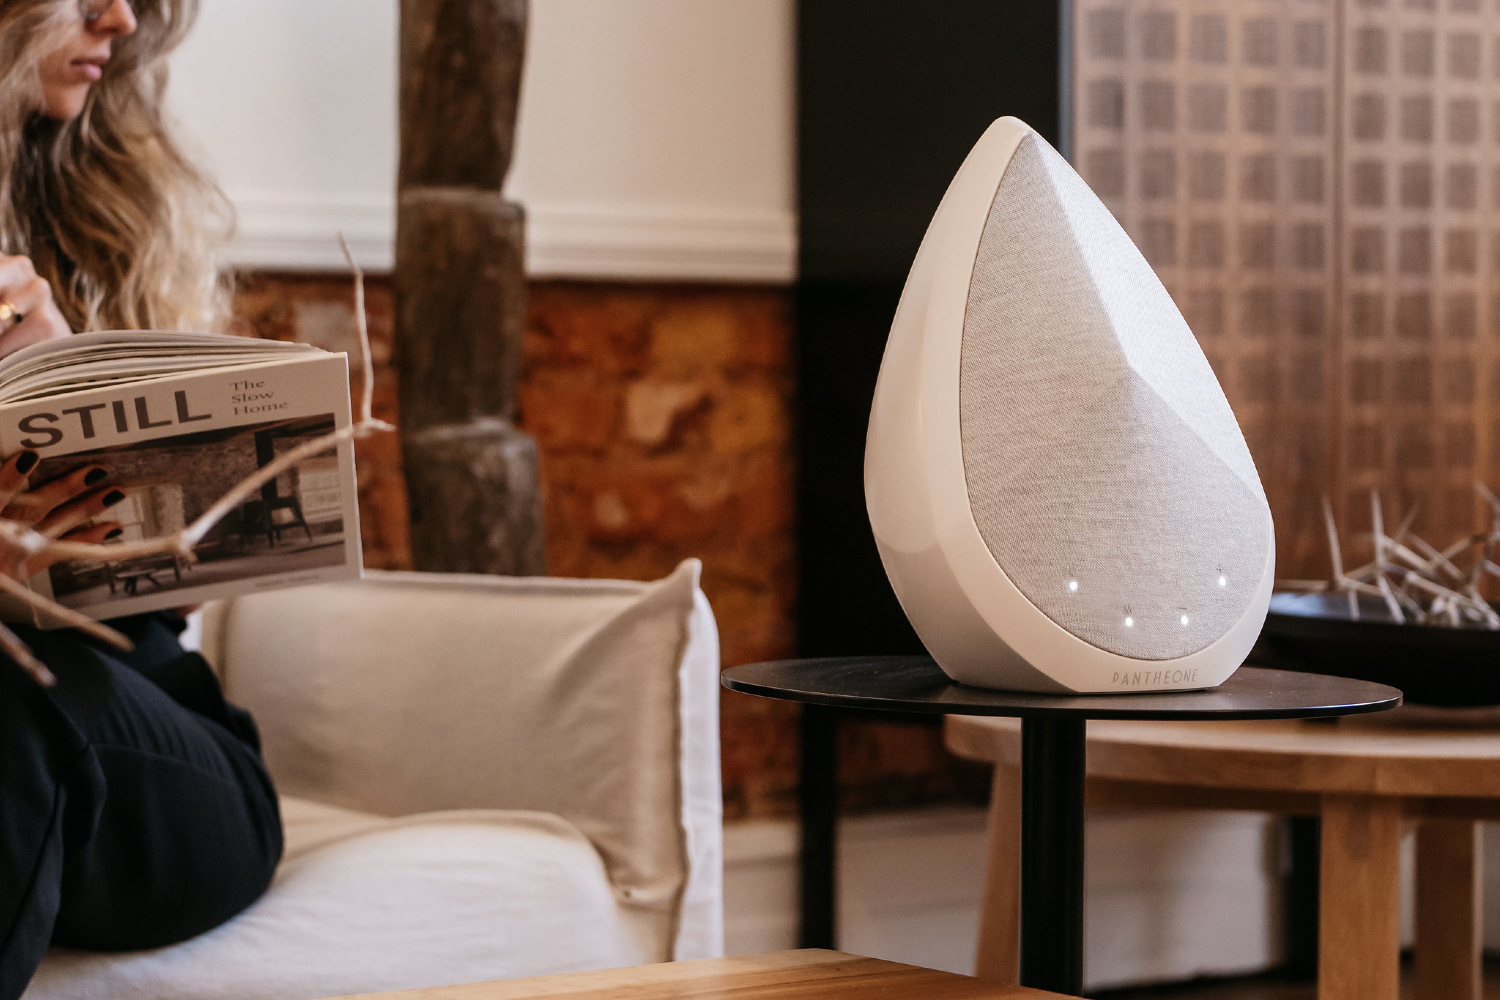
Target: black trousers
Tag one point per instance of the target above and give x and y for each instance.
(134, 808)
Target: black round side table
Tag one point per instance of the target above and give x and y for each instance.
(1052, 759)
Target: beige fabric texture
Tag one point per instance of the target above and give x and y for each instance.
(1106, 471)
(366, 903)
(449, 691)
(550, 746)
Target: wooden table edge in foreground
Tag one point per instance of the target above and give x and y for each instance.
(809, 974)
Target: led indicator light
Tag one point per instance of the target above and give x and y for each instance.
(1072, 586)
(1183, 619)
(1129, 622)
(1223, 581)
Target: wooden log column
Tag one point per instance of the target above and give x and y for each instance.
(460, 288)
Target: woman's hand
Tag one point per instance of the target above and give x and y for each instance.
(59, 509)
(30, 297)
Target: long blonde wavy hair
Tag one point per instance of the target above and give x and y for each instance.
(107, 205)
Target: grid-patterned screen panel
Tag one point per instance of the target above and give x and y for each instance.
(1316, 182)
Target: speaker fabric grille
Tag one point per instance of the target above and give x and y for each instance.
(1105, 470)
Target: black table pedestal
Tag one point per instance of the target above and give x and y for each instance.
(1052, 773)
(818, 795)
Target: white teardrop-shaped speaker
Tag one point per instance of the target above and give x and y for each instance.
(1058, 488)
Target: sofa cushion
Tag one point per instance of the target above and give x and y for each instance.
(412, 692)
(363, 903)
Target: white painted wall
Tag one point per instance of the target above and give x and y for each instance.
(1166, 897)
(292, 104)
(655, 138)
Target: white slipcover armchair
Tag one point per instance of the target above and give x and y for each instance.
(482, 778)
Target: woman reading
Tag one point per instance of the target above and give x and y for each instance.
(135, 811)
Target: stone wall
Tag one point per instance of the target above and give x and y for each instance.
(662, 414)
(663, 418)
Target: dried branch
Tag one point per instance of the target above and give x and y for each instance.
(71, 618)
(362, 325)
(19, 543)
(1413, 578)
(193, 533)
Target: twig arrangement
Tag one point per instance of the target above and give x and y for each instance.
(1418, 582)
(19, 543)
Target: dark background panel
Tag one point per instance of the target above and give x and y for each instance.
(891, 97)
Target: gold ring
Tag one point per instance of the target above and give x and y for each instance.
(8, 312)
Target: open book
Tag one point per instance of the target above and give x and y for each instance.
(177, 420)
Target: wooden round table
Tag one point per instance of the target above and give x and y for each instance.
(1363, 777)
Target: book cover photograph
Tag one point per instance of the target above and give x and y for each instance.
(176, 421)
(296, 524)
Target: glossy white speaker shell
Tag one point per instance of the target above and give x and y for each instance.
(972, 618)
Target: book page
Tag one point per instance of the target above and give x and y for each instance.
(90, 358)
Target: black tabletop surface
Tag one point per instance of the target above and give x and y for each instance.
(917, 684)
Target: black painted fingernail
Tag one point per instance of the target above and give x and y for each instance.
(26, 461)
(94, 477)
(113, 497)
(113, 533)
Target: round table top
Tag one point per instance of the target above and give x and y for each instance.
(917, 684)
(1394, 754)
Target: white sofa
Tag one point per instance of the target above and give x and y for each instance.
(482, 778)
